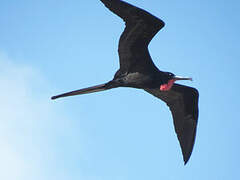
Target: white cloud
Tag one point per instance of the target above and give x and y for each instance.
(26, 123)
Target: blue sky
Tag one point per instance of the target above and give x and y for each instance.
(49, 47)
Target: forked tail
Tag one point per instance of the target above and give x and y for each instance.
(92, 89)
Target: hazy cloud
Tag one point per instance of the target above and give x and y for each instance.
(27, 124)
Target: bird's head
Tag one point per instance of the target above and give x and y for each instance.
(169, 79)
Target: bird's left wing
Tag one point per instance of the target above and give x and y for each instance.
(183, 103)
(141, 27)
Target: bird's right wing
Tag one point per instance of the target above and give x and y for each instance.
(183, 103)
(140, 28)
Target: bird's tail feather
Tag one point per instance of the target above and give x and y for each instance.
(92, 89)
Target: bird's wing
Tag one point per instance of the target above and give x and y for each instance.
(183, 103)
(140, 28)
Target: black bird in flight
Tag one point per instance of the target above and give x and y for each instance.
(137, 70)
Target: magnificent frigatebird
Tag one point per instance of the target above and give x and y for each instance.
(137, 70)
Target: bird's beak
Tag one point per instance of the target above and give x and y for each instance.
(182, 78)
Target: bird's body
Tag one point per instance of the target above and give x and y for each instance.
(137, 70)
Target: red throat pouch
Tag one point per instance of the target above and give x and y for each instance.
(168, 86)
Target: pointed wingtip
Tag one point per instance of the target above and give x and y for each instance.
(53, 97)
(186, 157)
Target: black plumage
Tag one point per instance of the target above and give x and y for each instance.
(137, 70)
